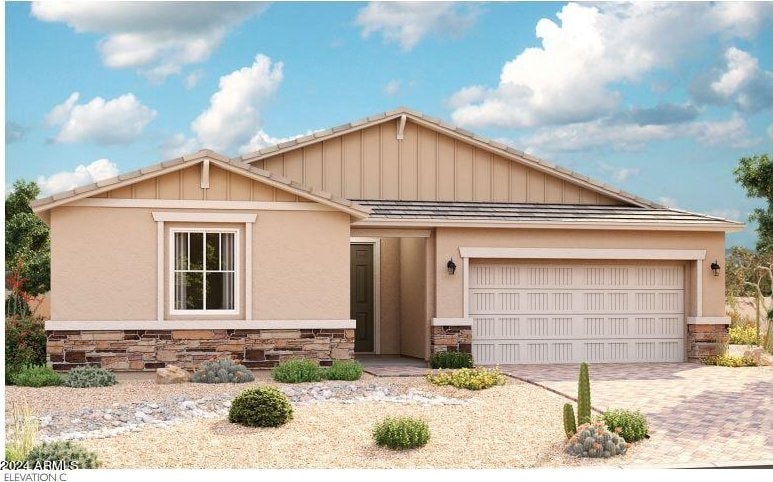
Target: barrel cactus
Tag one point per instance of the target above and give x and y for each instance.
(583, 395)
(595, 440)
(222, 371)
(570, 427)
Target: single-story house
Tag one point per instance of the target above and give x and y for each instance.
(397, 234)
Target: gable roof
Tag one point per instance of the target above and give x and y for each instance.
(438, 125)
(232, 165)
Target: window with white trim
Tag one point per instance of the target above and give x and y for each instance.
(204, 276)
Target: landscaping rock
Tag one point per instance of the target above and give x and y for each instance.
(172, 374)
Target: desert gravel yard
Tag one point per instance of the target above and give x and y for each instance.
(515, 425)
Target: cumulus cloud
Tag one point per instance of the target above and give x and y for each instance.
(571, 76)
(157, 38)
(80, 176)
(234, 115)
(668, 202)
(392, 87)
(13, 132)
(116, 121)
(740, 82)
(619, 174)
(407, 23)
(178, 145)
(192, 79)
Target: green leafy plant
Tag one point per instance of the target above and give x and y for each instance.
(583, 395)
(595, 440)
(297, 371)
(223, 370)
(478, 378)
(74, 455)
(260, 407)
(451, 359)
(88, 376)
(401, 433)
(36, 376)
(25, 344)
(22, 432)
(343, 370)
(570, 427)
(631, 425)
(743, 335)
(733, 361)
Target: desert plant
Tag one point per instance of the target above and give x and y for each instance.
(401, 433)
(451, 359)
(478, 378)
(595, 440)
(260, 407)
(725, 360)
(76, 456)
(25, 344)
(36, 376)
(743, 335)
(583, 395)
(223, 370)
(632, 426)
(570, 426)
(22, 432)
(88, 376)
(343, 370)
(297, 371)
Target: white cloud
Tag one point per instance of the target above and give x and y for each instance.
(407, 23)
(81, 176)
(739, 82)
(770, 131)
(192, 79)
(178, 145)
(234, 114)
(14, 132)
(571, 76)
(731, 214)
(116, 121)
(619, 174)
(158, 38)
(668, 202)
(392, 87)
(733, 132)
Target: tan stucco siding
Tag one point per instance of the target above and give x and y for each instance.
(389, 330)
(185, 184)
(449, 289)
(426, 165)
(104, 264)
(413, 297)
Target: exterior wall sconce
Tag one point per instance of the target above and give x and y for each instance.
(715, 268)
(451, 266)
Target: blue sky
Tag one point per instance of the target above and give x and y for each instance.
(658, 99)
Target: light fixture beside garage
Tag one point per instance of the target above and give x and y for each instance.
(715, 268)
(451, 266)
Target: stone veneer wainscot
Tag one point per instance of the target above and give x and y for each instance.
(134, 350)
(452, 338)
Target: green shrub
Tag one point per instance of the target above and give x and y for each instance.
(570, 426)
(297, 371)
(401, 433)
(729, 361)
(343, 370)
(470, 378)
(88, 376)
(450, 359)
(22, 432)
(260, 407)
(632, 426)
(68, 452)
(36, 376)
(595, 440)
(25, 344)
(743, 335)
(223, 370)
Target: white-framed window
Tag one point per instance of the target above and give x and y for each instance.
(204, 271)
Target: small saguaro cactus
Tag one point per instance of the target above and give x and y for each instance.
(583, 396)
(570, 427)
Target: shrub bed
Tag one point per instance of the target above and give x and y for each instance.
(223, 370)
(260, 407)
(76, 456)
(297, 371)
(401, 433)
(86, 377)
(743, 335)
(451, 359)
(349, 370)
(729, 361)
(36, 376)
(632, 426)
(25, 344)
(469, 378)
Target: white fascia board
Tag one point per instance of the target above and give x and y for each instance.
(191, 204)
(582, 253)
(205, 217)
(451, 321)
(494, 224)
(106, 325)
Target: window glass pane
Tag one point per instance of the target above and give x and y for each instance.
(197, 250)
(227, 251)
(189, 294)
(213, 251)
(181, 250)
(220, 291)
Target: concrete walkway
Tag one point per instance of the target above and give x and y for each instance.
(699, 415)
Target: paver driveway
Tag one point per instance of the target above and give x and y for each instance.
(699, 415)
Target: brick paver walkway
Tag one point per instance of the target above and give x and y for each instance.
(699, 415)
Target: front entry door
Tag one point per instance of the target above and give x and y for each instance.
(362, 296)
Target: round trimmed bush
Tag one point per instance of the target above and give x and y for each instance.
(260, 407)
(297, 370)
(632, 426)
(75, 456)
(401, 433)
(343, 370)
(36, 376)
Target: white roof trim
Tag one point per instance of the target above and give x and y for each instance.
(583, 253)
(620, 226)
(204, 217)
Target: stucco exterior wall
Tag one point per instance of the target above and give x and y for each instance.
(425, 165)
(413, 298)
(390, 296)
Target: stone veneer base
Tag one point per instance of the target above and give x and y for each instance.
(146, 350)
(452, 338)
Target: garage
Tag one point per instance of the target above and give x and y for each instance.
(563, 311)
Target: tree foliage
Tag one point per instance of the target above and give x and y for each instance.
(755, 174)
(742, 272)
(27, 241)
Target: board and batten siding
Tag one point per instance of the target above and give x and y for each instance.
(426, 165)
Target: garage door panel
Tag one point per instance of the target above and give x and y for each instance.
(497, 301)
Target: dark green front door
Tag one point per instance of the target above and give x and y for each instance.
(362, 296)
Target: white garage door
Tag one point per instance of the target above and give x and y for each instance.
(568, 313)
